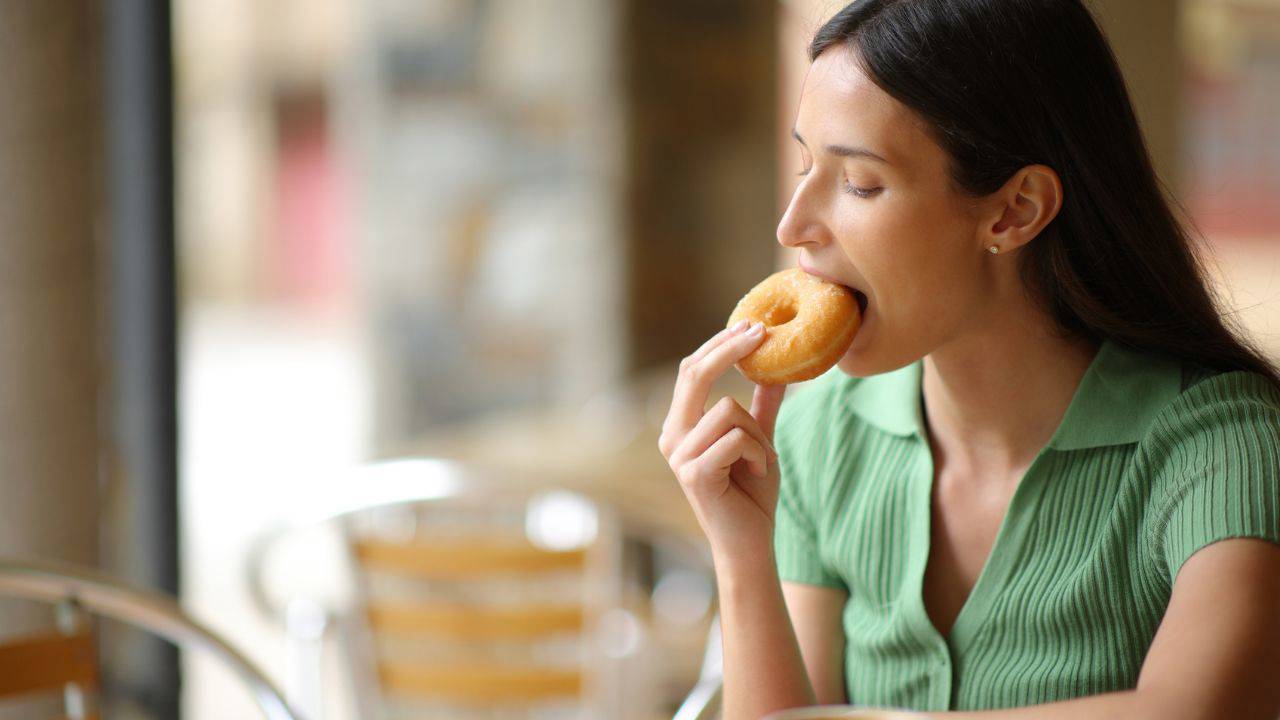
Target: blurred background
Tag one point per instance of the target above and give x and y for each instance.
(266, 265)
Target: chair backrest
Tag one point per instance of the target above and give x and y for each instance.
(471, 577)
(467, 611)
(67, 660)
(46, 662)
(57, 661)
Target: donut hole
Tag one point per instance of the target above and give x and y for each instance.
(779, 315)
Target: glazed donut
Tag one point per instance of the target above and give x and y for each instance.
(809, 324)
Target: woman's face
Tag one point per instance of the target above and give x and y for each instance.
(876, 211)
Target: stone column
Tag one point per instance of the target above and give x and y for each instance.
(49, 345)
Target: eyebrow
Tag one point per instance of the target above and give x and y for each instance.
(844, 150)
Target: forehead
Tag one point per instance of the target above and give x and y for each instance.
(840, 105)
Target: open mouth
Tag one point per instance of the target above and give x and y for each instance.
(862, 301)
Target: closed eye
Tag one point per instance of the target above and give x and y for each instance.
(852, 189)
(862, 192)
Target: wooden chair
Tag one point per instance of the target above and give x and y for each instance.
(465, 615)
(65, 660)
(468, 590)
(60, 661)
(474, 595)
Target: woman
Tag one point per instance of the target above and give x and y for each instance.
(1045, 473)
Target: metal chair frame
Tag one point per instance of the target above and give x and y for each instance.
(703, 702)
(56, 582)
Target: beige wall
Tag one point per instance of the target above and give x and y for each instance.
(1144, 36)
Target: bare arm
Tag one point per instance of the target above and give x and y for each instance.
(764, 670)
(727, 466)
(1216, 654)
(816, 614)
(773, 632)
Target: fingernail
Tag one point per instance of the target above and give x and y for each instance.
(742, 325)
(756, 329)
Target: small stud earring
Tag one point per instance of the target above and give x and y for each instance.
(994, 249)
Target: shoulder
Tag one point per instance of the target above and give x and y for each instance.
(1214, 458)
(1220, 423)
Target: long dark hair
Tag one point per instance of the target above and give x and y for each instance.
(1009, 83)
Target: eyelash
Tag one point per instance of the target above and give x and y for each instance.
(863, 193)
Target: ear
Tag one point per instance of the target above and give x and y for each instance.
(1020, 209)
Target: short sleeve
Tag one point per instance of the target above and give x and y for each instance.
(796, 536)
(1220, 477)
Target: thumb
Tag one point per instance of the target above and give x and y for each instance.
(764, 406)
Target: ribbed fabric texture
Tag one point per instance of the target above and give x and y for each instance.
(1084, 563)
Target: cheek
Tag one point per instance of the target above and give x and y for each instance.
(916, 252)
(913, 254)
(902, 241)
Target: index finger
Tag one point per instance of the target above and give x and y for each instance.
(711, 344)
(694, 384)
(717, 339)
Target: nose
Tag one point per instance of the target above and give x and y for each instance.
(800, 224)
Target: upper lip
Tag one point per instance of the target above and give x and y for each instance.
(826, 277)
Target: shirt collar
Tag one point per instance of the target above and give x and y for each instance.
(1115, 402)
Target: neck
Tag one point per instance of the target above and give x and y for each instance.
(994, 397)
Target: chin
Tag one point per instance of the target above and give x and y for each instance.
(857, 363)
(862, 359)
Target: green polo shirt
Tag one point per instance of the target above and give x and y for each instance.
(1153, 460)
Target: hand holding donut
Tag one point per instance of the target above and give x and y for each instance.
(724, 458)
